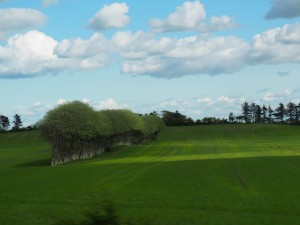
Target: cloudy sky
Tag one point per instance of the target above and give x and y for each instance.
(203, 58)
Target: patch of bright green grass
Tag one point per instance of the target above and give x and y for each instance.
(218, 175)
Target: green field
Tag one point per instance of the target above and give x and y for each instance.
(217, 175)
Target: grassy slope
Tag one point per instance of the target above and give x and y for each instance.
(230, 174)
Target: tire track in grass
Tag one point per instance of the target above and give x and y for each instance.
(238, 177)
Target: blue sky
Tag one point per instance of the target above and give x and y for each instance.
(203, 58)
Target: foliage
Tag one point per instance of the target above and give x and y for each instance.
(254, 113)
(74, 120)
(17, 122)
(153, 124)
(4, 123)
(176, 119)
(123, 120)
(77, 131)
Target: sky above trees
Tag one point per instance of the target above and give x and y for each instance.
(203, 58)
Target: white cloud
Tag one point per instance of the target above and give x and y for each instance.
(226, 100)
(186, 17)
(27, 55)
(285, 96)
(85, 100)
(110, 16)
(205, 100)
(140, 53)
(36, 54)
(278, 45)
(269, 97)
(61, 101)
(83, 54)
(191, 17)
(191, 55)
(218, 24)
(37, 104)
(284, 9)
(110, 104)
(47, 3)
(19, 19)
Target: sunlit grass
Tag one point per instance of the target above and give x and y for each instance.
(229, 174)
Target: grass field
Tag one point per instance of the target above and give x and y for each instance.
(217, 175)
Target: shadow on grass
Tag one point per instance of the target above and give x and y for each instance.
(37, 163)
(104, 213)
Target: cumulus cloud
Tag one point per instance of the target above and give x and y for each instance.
(186, 17)
(110, 104)
(218, 24)
(27, 55)
(278, 45)
(284, 9)
(19, 19)
(85, 100)
(191, 17)
(227, 100)
(205, 100)
(83, 54)
(284, 96)
(110, 16)
(35, 54)
(47, 3)
(191, 55)
(61, 101)
(140, 53)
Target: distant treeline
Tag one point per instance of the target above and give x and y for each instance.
(77, 131)
(250, 113)
(178, 119)
(17, 124)
(255, 113)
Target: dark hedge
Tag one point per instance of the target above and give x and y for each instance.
(76, 131)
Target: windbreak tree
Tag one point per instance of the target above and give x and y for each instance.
(72, 129)
(246, 112)
(17, 122)
(4, 123)
(77, 131)
(153, 125)
(127, 127)
(280, 112)
(73, 121)
(123, 120)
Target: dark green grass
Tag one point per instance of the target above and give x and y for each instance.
(218, 175)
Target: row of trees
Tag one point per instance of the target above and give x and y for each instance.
(178, 119)
(254, 113)
(250, 113)
(77, 131)
(5, 123)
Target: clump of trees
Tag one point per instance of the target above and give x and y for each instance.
(17, 124)
(176, 119)
(76, 131)
(4, 123)
(255, 113)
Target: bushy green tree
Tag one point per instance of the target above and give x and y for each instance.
(153, 124)
(77, 131)
(17, 122)
(74, 120)
(123, 120)
(4, 123)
